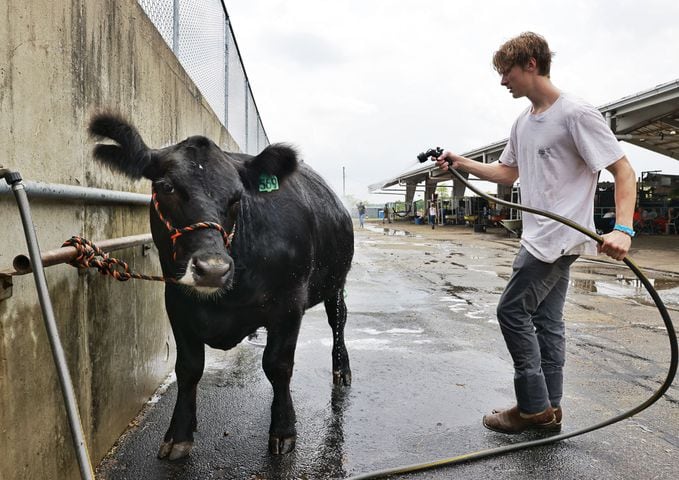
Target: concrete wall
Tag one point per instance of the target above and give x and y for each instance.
(59, 62)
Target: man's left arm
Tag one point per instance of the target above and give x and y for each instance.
(616, 243)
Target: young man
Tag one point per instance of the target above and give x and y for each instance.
(557, 146)
(361, 214)
(432, 215)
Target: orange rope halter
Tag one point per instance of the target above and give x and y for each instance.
(91, 256)
(175, 232)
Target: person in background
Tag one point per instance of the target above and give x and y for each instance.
(432, 215)
(361, 214)
(386, 218)
(659, 223)
(638, 220)
(556, 146)
(672, 217)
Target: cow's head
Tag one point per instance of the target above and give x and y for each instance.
(195, 185)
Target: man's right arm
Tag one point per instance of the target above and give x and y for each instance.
(495, 172)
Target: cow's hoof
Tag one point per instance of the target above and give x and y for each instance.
(280, 446)
(341, 378)
(174, 451)
(164, 449)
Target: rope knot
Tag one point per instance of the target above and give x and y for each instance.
(88, 255)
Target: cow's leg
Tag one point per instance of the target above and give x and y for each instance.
(336, 310)
(278, 361)
(178, 439)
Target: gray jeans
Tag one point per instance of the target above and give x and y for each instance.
(530, 314)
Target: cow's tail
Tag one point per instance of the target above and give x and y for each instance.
(131, 155)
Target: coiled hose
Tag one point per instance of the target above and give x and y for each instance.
(671, 333)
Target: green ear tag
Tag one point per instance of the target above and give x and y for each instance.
(268, 183)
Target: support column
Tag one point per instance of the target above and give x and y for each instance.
(459, 187)
(410, 197)
(504, 192)
(429, 190)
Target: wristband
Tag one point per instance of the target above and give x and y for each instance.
(624, 229)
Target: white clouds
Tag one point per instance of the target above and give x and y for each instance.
(303, 50)
(328, 105)
(367, 84)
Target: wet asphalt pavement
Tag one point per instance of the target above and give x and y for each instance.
(428, 361)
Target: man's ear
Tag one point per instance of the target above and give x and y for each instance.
(532, 65)
(278, 160)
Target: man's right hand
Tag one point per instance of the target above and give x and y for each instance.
(447, 160)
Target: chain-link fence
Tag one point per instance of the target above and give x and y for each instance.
(200, 35)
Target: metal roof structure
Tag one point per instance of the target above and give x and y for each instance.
(648, 119)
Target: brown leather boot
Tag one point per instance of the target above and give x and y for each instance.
(513, 421)
(558, 413)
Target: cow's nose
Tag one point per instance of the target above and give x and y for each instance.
(210, 273)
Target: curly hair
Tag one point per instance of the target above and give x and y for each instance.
(519, 50)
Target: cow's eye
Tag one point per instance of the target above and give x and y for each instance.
(165, 187)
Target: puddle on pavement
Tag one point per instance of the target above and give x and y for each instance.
(619, 286)
(375, 339)
(390, 231)
(392, 331)
(480, 270)
(630, 287)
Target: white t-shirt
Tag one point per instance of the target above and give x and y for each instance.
(559, 153)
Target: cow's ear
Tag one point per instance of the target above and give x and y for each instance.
(279, 160)
(129, 155)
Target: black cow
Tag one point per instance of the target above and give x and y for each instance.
(250, 242)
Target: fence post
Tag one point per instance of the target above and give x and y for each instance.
(175, 27)
(227, 28)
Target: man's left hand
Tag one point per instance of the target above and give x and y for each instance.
(616, 244)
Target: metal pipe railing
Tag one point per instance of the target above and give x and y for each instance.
(89, 195)
(22, 263)
(14, 180)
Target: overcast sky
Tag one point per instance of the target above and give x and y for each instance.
(367, 84)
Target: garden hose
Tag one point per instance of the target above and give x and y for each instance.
(557, 438)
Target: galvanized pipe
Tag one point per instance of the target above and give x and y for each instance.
(88, 195)
(22, 263)
(77, 434)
